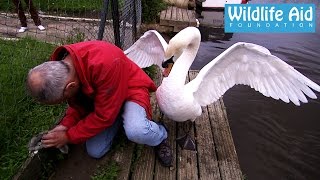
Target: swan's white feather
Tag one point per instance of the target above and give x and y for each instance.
(148, 49)
(252, 65)
(242, 63)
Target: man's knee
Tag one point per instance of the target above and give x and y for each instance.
(95, 152)
(137, 133)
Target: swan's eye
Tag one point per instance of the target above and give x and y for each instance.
(167, 62)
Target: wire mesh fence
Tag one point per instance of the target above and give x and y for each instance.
(66, 21)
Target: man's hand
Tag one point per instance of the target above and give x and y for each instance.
(55, 139)
(59, 128)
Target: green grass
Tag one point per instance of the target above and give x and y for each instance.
(107, 172)
(83, 8)
(20, 116)
(60, 6)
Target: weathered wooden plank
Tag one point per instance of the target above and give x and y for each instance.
(123, 160)
(179, 15)
(207, 158)
(174, 13)
(143, 169)
(208, 164)
(163, 15)
(161, 172)
(226, 153)
(215, 157)
(182, 21)
(232, 150)
(166, 173)
(169, 13)
(185, 16)
(192, 18)
(177, 18)
(187, 160)
(166, 17)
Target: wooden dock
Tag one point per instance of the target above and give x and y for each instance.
(177, 18)
(214, 159)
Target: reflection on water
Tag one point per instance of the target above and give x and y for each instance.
(274, 140)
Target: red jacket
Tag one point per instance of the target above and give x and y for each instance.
(108, 79)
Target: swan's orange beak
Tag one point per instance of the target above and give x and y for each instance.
(167, 70)
(167, 65)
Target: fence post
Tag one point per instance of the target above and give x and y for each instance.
(103, 19)
(134, 24)
(116, 23)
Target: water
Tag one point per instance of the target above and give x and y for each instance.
(274, 140)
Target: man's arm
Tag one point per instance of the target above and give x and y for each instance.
(57, 137)
(111, 85)
(71, 117)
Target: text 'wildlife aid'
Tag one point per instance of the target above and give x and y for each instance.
(270, 18)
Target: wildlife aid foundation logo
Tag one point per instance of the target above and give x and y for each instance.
(275, 18)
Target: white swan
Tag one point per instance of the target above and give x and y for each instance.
(242, 63)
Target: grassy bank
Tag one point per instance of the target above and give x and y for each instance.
(74, 6)
(20, 116)
(83, 8)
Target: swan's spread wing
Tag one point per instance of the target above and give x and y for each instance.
(255, 66)
(148, 49)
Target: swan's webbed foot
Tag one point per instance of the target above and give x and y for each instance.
(186, 142)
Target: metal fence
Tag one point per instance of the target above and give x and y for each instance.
(66, 21)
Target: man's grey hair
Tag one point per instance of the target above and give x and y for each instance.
(46, 82)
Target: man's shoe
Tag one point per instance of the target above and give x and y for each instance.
(22, 29)
(41, 28)
(164, 153)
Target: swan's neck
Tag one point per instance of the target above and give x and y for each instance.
(182, 65)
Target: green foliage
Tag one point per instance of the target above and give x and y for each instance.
(151, 10)
(150, 71)
(6, 5)
(20, 117)
(108, 172)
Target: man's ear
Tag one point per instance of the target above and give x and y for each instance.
(71, 88)
(71, 85)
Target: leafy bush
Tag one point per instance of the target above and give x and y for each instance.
(151, 10)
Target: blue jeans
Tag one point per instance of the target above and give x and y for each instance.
(137, 128)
